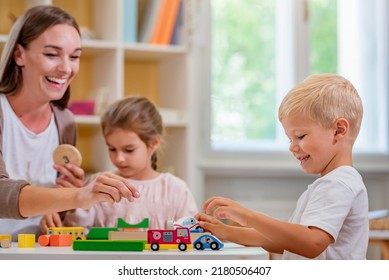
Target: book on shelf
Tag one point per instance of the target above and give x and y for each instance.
(166, 19)
(130, 21)
(147, 17)
(176, 37)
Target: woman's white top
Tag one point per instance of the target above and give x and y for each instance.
(27, 156)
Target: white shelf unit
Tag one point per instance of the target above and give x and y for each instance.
(120, 69)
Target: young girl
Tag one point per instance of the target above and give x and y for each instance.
(132, 128)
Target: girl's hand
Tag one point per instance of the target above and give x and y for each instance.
(71, 176)
(50, 220)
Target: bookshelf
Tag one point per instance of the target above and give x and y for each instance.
(112, 67)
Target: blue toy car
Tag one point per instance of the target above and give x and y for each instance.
(208, 241)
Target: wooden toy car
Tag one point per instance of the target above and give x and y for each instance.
(178, 238)
(208, 241)
(188, 222)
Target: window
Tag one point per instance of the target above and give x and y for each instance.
(260, 49)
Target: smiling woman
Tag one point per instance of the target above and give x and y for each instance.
(37, 65)
(48, 65)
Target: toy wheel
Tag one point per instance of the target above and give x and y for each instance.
(5, 243)
(182, 246)
(154, 247)
(198, 246)
(214, 246)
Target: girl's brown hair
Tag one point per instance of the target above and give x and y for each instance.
(136, 114)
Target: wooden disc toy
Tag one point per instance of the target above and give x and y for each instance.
(66, 153)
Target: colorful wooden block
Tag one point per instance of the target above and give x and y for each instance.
(26, 240)
(66, 153)
(100, 233)
(44, 240)
(123, 225)
(157, 247)
(127, 235)
(61, 240)
(108, 245)
(76, 232)
(5, 240)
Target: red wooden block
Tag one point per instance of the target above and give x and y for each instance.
(44, 240)
(61, 240)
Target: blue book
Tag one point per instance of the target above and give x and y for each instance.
(178, 26)
(130, 21)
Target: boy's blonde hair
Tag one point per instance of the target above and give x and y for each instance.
(324, 98)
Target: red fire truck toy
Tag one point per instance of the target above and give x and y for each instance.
(178, 238)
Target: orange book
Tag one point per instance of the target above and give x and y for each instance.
(166, 20)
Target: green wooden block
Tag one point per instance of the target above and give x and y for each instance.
(100, 233)
(108, 245)
(142, 224)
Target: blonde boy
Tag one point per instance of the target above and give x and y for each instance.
(321, 116)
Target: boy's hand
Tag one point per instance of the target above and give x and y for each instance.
(212, 225)
(225, 208)
(50, 220)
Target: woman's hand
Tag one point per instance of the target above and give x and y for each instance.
(107, 187)
(70, 176)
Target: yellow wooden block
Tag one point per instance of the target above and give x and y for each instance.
(168, 246)
(5, 240)
(26, 240)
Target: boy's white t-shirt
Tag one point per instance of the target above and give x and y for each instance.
(338, 204)
(27, 156)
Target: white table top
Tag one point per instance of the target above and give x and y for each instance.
(230, 251)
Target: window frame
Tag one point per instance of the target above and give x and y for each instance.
(268, 162)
